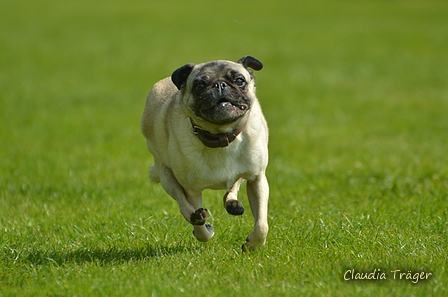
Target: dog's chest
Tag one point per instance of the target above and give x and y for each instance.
(213, 168)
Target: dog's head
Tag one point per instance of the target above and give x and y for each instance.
(219, 92)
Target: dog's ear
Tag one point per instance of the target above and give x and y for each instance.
(251, 62)
(179, 76)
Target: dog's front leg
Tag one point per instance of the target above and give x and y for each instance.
(258, 194)
(190, 204)
(231, 203)
(202, 231)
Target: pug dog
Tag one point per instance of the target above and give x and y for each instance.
(206, 130)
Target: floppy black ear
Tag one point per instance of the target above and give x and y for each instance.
(179, 76)
(251, 62)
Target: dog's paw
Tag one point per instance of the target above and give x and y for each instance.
(199, 216)
(234, 207)
(210, 229)
(250, 248)
(204, 235)
(247, 248)
(256, 240)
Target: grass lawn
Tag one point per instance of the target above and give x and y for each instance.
(356, 97)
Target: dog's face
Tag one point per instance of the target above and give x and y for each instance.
(219, 92)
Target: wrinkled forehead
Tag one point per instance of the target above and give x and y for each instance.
(219, 70)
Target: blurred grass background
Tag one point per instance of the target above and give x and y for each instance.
(356, 97)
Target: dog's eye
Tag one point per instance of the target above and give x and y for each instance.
(240, 82)
(199, 86)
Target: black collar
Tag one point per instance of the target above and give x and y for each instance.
(216, 140)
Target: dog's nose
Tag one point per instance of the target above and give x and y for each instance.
(220, 86)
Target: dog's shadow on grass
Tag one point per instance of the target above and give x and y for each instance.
(104, 256)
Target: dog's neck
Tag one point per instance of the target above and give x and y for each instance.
(215, 140)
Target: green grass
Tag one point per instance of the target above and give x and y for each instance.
(356, 96)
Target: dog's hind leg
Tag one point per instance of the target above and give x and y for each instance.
(190, 205)
(231, 203)
(258, 194)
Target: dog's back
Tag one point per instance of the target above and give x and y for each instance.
(161, 92)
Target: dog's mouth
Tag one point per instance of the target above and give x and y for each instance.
(225, 111)
(225, 104)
